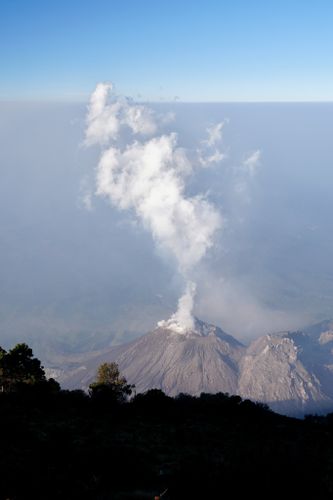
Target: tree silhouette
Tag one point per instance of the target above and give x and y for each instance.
(110, 385)
(19, 367)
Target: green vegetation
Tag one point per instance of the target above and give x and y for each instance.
(19, 369)
(110, 386)
(59, 444)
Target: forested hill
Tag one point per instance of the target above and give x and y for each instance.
(111, 444)
(68, 445)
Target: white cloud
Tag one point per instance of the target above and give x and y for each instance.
(252, 162)
(210, 159)
(182, 319)
(214, 134)
(87, 201)
(108, 114)
(148, 177)
(244, 175)
(139, 118)
(102, 118)
(85, 195)
(145, 173)
(210, 153)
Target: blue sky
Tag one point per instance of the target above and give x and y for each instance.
(196, 50)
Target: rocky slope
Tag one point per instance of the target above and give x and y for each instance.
(290, 371)
(284, 371)
(203, 359)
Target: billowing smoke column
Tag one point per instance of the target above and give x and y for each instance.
(147, 174)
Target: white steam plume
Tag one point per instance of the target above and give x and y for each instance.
(210, 153)
(214, 134)
(245, 173)
(182, 319)
(148, 176)
(106, 116)
(252, 162)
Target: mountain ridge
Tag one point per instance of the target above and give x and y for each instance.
(290, 371)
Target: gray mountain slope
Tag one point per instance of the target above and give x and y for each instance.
(291, 371)
(204, 360)
(285, 371)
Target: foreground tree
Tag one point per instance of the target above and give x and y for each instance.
(110, 385)
(19, 368)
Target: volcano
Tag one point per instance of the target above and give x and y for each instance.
(290, 371)
(170, 358)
